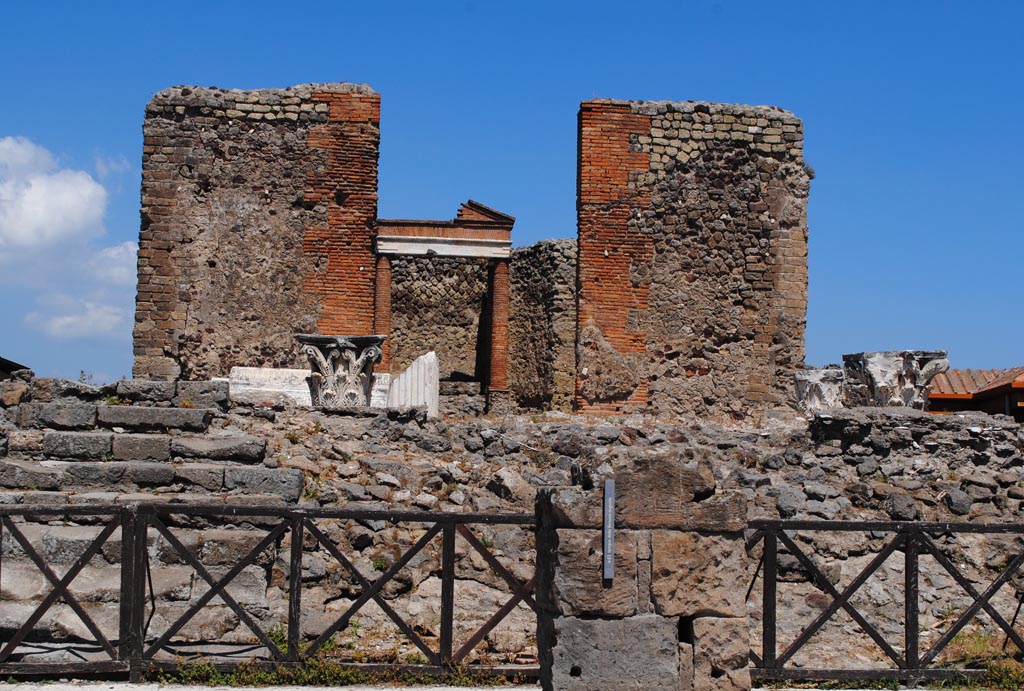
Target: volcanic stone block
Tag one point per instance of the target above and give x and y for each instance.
(576, 581)
(154, 419)
(149, 474)
(694, 574)
(143, 390)
(202, 394)
(206, 475)
(22, 475)
(57, 415)
(284, 482)
(598, 655)
(141, 447)
(82, 445)
(242, 449)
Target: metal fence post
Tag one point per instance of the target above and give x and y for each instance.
(910, 605)
(124, 648)
(295, 589)
(768, 597)
(447, 592)
(137, 599)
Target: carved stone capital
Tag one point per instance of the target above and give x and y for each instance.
(341, 368)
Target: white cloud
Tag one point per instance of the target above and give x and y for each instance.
(42, 206)
(68, 317)
(116, 265)
(107, 165)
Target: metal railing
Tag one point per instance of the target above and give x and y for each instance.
(135, 649)
(908, 661)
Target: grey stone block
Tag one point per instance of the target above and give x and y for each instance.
(143, 390)
(206, 475)
(92, 474)
(57, 415)
(202, 394)
(243, 449)
(154, 419)
(600, 654)
(149, 474)
(24, 475)
(284, 482)
(141, 447)
(82, 445)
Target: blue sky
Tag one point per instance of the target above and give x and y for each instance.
(910, 110)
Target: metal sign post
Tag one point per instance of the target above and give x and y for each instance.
(608, 530)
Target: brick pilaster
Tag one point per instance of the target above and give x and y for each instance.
(382, 309)
(499, 286)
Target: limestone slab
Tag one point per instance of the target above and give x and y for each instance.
(249, 383)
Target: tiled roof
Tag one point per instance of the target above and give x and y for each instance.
(967, 383)
(1012, 378)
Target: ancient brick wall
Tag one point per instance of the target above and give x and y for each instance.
(437, 304)
(257, 222)
(542, 328)
(693, 257)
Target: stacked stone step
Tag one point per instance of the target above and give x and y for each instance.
(64, 442)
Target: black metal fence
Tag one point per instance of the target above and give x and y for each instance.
(135, 648)
(908, 661)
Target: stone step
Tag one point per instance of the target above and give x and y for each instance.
(237, 448)
(104, 446)
(62, 415)
(139, 418)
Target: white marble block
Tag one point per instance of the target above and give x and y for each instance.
(418, 385)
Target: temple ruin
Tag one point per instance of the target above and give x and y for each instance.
(685, 293)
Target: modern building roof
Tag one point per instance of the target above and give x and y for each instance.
(971, 383)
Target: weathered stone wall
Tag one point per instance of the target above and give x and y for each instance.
(693, 257)
(437, 304)
(543, 325)
(66, 443)
(257, 222)
(672, 617)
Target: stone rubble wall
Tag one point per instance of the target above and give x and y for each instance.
(65, 443)
(542, 328)
(693, 258)
(257, 211)
(437, 304)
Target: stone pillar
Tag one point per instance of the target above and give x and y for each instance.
(498, 398)
(674, 615)
(382, 308)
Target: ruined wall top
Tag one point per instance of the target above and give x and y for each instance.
(661, 107)
(187, 95)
